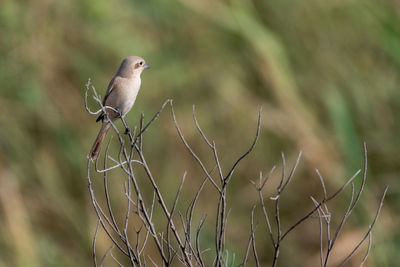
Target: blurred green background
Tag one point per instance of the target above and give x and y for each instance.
(325, 72)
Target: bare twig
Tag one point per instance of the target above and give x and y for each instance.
(115, 259)
(171, 214)
(264, 209)
(246, 257)
(94, 243)
(99, 216)
(190, 149)
(229, 175)
(199, 129)
(198, 240)
(105, 255)
(368, 249)
(368, 232)
(253, 238)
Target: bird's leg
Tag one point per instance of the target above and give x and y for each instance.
(127, 130)
(119, 115)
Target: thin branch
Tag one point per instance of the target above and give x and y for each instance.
(369, 229)
(190, 149)
(321, 244)
(291, 172)
(368, 249)
(171, 214)
(198, 239)
(88, 86)
(106, 193)
(281, 188)
(162, 204)
(264, 209)
(214, 149)
(199, 129)
(133, 257)
(115, 259)
(105, 255)
(94, 243)
(96, 208)
(305, 217)
(364, 177)
(229, 175)
(190, 209)
(253, 238)
(246, 257)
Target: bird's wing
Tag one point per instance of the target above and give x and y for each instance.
(113, 83)
(111, 86)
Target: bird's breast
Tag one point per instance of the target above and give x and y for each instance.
(132, 89)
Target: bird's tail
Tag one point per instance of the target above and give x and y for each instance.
(94, 152)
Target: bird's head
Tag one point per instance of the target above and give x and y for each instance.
(132, 66)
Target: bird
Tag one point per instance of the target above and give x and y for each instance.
(120, 96)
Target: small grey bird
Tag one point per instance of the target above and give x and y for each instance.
(121, 95)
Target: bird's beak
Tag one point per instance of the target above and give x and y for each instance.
(146, 66)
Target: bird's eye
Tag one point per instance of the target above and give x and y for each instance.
(141, 63)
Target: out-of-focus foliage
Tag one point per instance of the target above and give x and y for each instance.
(325, 72)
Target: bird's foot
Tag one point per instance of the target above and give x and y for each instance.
(127, 131)
(119, 113)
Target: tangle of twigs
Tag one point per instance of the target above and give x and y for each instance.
(183, 244)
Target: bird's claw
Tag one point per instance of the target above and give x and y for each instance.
(119, 113)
